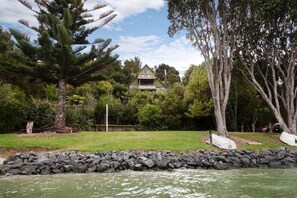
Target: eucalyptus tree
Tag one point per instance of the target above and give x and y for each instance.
(268, 51)
(210, 26)
(245, 106)
(62, 53)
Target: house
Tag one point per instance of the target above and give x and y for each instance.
(146, 80)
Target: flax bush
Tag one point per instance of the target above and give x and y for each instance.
(12, 107)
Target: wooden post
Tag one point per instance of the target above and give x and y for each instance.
(210, 137)
(106, 118)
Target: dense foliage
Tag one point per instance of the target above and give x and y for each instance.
(31, 75)
(12, 107)
(181, 107)
(59, 55)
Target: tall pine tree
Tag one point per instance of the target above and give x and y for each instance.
(58, 55)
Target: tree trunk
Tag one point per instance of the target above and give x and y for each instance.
(61, 105)
(219, 111)
(293, 128)
(253, 127)
(220, 121)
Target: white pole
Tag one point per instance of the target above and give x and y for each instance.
(106, 118)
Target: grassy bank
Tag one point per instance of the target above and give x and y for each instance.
(102, 141)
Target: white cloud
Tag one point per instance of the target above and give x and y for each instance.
(12, 10)
(127, 8)
(152, 50)
(140, 44)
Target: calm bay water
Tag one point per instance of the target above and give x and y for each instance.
(243, 183)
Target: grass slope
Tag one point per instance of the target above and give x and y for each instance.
(102, 141)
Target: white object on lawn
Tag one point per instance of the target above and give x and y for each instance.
(223, 142)
(2, 160)
(288, 138)
(29, 127)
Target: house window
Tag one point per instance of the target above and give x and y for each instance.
(147, 82)
(145, 71)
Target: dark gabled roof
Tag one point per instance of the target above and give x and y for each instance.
(151, 71)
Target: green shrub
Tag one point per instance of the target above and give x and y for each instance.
(80, 117)
(42, 112)
(151, 117)
(51, 92)
(115, 109)
(12, 107)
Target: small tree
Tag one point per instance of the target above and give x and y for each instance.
(57, 55)
(115, 109)
(151, 117)
(131, 68)
(198, 94)
(187, 74)
(173, 108)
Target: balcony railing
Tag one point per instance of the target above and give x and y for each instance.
(143, 87)
(146, 87)
(146, 76)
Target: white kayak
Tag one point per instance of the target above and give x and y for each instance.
(223, 142)
(288, 138)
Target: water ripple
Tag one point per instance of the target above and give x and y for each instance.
(244, 183)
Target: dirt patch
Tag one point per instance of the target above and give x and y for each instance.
(6, 152)
(239, 141)
(44, 134)
(244, 141)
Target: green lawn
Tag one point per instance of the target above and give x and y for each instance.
(108, 141)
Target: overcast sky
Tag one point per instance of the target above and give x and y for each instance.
(140, 29)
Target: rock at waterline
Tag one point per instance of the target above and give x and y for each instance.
(75, 162)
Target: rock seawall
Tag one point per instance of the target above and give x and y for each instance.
(75, 162)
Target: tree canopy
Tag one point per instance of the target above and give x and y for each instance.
(210, 26)
(60, 53)
(267, 49)
(167, 74)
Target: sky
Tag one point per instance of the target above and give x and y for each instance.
(140, 30)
